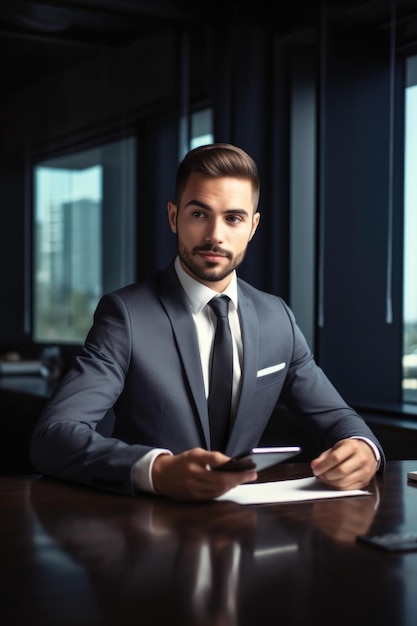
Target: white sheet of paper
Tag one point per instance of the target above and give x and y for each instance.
(295, 490)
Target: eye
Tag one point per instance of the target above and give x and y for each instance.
(197, 214)
(235, 219)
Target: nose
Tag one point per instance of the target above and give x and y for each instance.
(215, 230)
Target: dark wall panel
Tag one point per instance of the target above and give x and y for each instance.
(13, 248)
(359, 337)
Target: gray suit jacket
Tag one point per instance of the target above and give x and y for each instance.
(141, 357)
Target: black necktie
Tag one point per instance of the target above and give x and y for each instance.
(221, 376)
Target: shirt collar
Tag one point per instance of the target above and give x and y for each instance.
(198, 294)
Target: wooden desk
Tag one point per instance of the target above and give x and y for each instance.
(73, 556)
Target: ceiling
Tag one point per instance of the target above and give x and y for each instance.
(37, 37)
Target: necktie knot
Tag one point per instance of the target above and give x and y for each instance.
(220, 305)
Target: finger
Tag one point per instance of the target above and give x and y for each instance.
(348, 475)
(333, 458)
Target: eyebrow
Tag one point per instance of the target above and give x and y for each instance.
(207, 207)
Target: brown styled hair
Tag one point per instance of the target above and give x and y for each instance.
(218, 160)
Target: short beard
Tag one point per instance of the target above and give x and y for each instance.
(210, 273)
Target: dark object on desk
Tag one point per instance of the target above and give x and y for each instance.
(20, 367)
(391, 542)
(258, 459)
(412, 475)
(51, 364)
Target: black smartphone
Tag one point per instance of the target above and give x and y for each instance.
(258, 459)
(391, 542)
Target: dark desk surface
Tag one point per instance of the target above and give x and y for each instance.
(73, 556)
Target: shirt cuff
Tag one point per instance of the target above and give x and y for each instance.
(142, 470)
(375, 450)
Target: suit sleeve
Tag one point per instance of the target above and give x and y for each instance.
(309, 394)
(65, 442)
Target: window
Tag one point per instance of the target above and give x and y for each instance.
(84, 237)
(201, 128)
(410, 232)
(196, 130)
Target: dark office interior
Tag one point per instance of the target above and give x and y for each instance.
(314, 91)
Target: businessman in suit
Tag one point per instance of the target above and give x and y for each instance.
(148, 353)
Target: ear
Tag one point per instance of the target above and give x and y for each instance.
(172, 216)
(255, 222)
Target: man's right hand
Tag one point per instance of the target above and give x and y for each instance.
(187, 476)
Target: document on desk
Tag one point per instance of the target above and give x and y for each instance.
(294, 490)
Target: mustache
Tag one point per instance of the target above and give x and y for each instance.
(208, 247)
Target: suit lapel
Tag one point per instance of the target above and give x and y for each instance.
(174, 301)
(250, 338)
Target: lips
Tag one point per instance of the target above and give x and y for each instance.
(212, 257)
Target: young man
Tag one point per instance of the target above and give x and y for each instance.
(148, 356)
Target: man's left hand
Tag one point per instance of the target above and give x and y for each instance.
(350, 464)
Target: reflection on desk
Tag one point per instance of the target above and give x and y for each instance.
(71, 555)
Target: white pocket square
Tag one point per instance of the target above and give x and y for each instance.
(270, 370)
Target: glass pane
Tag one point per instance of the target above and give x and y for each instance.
(195, 130)
(410, 238)
(67, 251)
(201, 128)
(83, 237)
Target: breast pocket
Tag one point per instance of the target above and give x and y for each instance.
(274, 374)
